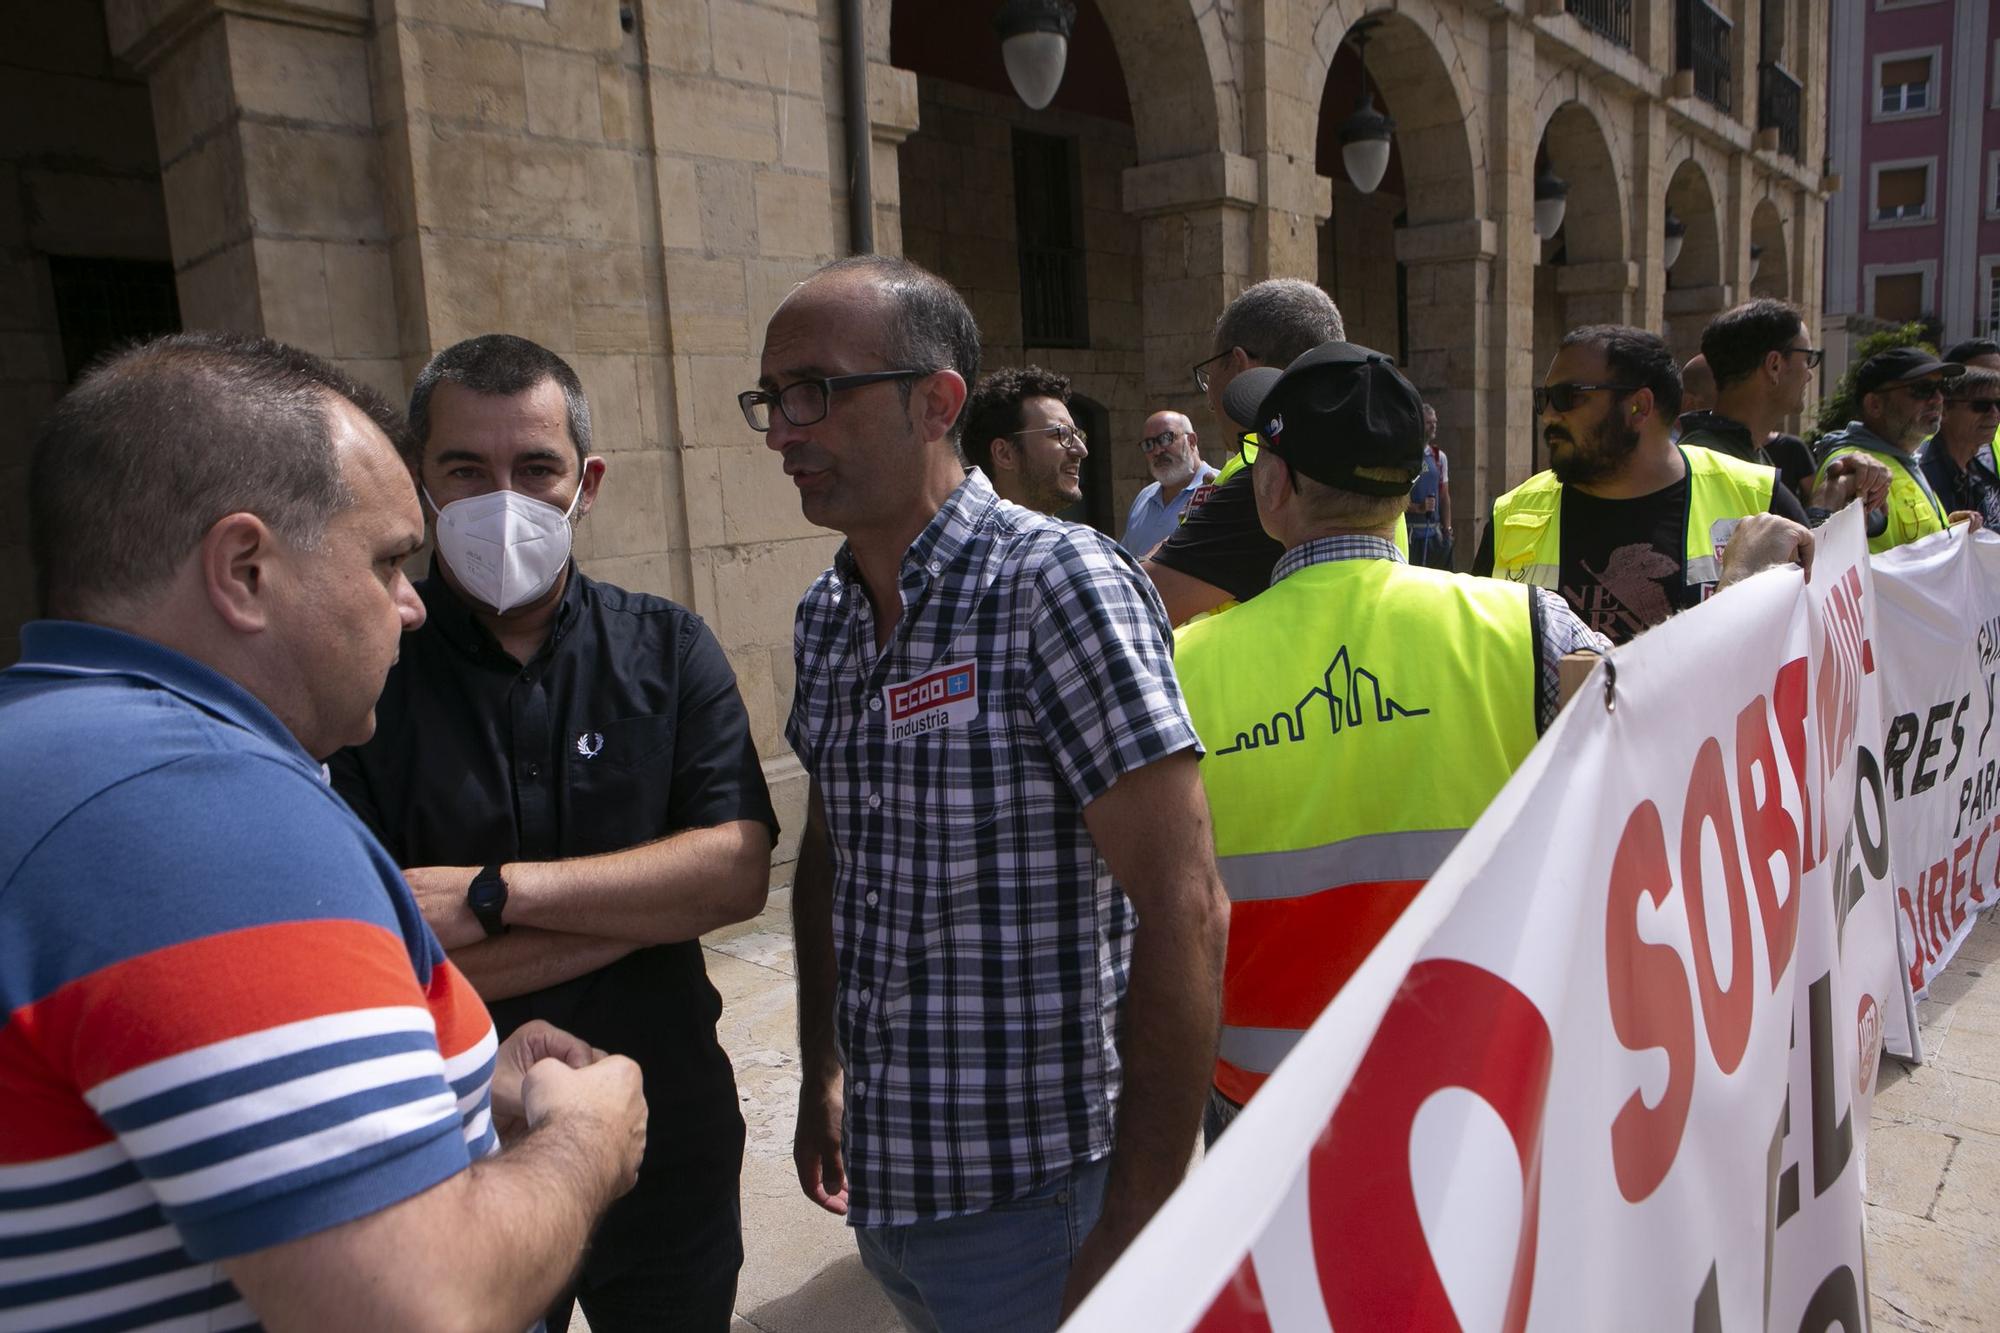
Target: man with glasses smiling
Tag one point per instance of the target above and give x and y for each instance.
(1627, 525)
(1019, 432)
(1901, 397)
(1173, 456)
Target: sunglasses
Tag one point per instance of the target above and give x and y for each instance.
(1923, 391)
(1564, 397)
(1979, 405)
(1152, 444)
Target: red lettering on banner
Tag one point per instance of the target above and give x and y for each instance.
(1919, 951)
(1238, 1307)
(1978, 855)
(1935, 909)
(1725, 1012)
(1958, 883)
(1788, 702)
(1768, 830)
(1649, 1006)
(1479, 1033)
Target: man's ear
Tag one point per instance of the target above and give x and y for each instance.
(936, 403)
(1641, 404)
(235, 556)
(594, 468)
(1001, 450)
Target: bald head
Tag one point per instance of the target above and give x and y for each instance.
(1173, 452)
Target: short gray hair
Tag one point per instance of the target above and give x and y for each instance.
(160, 441)
(1279, 320)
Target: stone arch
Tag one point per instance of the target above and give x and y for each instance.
(1187, 102)
(1419, 74)
(1692, 198)
(1695, 291)
(1594, 226)
(1774, 267)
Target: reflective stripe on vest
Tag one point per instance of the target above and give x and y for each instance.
(1914, 510)
(1361, 668)
(1527, 521)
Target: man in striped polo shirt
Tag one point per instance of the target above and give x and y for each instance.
(243, 1083)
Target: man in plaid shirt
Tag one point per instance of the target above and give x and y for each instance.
(1009, 919)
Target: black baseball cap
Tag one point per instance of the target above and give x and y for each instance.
(1899, 364)
(1339, 407)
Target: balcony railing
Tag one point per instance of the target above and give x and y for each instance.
(1778, 97)
(1701, 44)
(1607, 18)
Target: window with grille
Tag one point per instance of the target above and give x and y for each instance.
(1906, 85)
(102, 304)
(1902, 193)
(1049, 228)
(1993, 183)
(1899, 297)
(1990, 311)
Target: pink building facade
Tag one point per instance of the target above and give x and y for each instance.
(1914, 136)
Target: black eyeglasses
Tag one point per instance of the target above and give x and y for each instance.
(1247, 442)
(1922, 391)
(1152, 444)
(1813, 355)
(1201, 367)
(1564, 397)
(1979, 405)
(806, 401)
(1067, 438)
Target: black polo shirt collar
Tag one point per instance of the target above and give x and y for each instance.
(453, 617)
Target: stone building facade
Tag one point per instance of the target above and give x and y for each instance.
(638, 184)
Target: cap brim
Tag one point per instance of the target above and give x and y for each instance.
(1242, 396)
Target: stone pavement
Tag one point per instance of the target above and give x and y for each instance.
(1933, 1155)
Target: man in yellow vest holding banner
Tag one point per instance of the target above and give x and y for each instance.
(1628, 526)
(1353, 665)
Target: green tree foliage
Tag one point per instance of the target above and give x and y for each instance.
(1842, 405)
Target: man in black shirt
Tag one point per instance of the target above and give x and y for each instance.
(1221, 551)
(565, 771)
(1763, 362)
(1627, 525)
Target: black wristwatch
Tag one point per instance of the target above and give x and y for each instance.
(487, 897)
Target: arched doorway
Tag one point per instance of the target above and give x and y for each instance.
(1584, 277)
(1694, 292)
(1770, 258)
(1405, 262)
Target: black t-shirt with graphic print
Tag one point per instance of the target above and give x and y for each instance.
(1622, 560)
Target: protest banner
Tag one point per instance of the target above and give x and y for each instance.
(1612, 1068)
(1938, 654)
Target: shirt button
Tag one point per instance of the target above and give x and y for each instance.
(937, 567)
(865, 993)
(874, 705)
(527, 675)
(872, 899)
(860, 1086)
(874, 802)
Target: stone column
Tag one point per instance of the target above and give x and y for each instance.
(1196, 224)
(1648, 194)
(1449, 319)
(1502, 418)
(272, 178)
(1281, 124)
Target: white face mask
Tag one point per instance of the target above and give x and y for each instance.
(506, 548)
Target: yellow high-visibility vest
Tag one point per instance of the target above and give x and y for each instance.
(1527, 521)
(1913, 510)
(1357, 719)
